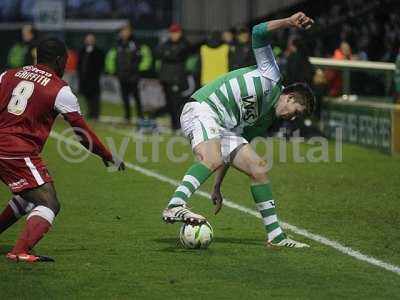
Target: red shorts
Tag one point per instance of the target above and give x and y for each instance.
(23, 173)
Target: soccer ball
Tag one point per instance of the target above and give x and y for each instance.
(196, 236)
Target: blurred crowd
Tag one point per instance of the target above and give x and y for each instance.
(181, 66)
(371, 28)
(347, 30)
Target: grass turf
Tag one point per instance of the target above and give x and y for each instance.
(109, 241)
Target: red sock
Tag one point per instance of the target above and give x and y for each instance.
(35, 229)
(7, 218)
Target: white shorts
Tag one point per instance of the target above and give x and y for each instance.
(199, 124)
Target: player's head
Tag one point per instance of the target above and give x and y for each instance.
(175, 32)
(90, 39)
(53, 53)
(28, 33)
(228, 36)
(243, 35)
(125, 33)
(345, 48)
(296, 100)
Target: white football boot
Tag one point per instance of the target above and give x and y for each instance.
(287, 243)
(182, 214)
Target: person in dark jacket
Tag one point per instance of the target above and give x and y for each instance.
(173, 76)
(241, 53)
(298, 68)
(90, 67)
(128, 59)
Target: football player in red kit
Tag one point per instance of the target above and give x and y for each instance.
(30, 99)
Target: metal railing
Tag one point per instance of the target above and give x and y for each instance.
(346, 66)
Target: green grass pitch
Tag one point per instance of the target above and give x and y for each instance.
(109, 241)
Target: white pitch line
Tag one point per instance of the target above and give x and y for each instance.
(300, 231)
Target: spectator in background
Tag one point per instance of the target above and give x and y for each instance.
(334, 77)
(90, 67)
(362, 46)
(228, 37)
(298, 67)
(173, 76)
(343, 52)
(214, 58)
(71, 69)
(241, 53)
(193, 67)
(24, 53)
(110, 61)
(128, 59)
(30, 39)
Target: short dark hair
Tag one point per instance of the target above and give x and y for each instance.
(49, 49)
(307, 97)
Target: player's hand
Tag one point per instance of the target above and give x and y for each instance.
(115, 162)
(300, 20)
(217, 199)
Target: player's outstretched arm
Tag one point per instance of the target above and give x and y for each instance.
(90, 140)
(261, 37)
(67, 104)
(298, 20)
(261, 32)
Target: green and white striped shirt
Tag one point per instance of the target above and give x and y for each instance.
(244, 99)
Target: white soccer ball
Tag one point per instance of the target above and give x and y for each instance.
(196, 236)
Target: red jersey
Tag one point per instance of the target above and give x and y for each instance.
(30, 99)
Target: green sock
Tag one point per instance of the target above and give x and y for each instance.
(262, 195)
(193, 179)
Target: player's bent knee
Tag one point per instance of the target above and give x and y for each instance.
(53, 205)
(259, 172)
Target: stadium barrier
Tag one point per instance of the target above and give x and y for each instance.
(371, 124)
(346, 66)
(364, 121)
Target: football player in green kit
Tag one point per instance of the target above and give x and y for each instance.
(222, 118)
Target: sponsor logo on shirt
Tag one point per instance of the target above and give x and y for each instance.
(250, 109)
